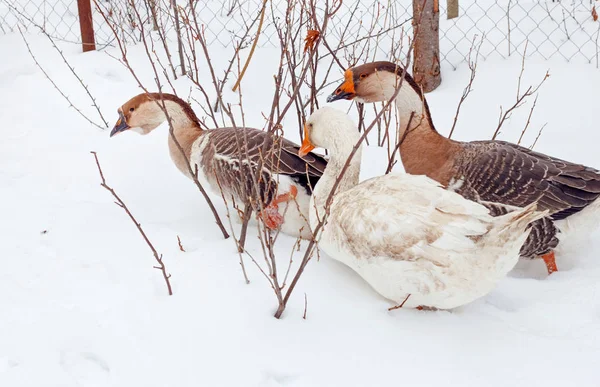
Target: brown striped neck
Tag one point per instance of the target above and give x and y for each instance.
(186, 136)
(178, 109)
(186, 129)
(423, 150)
(426, 152)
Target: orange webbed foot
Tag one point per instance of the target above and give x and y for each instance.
(550, 261)
(272, 218)
(286, 197)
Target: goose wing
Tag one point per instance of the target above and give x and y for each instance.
(279, 155)
(400, 216)
(497, 171)
(234, 154)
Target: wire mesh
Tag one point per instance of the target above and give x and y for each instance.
(553, 28)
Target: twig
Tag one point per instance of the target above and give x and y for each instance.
(538, 136)
(158, 28)
(245, 220)
(469, 88)
(520, 97)
(85, 87)
(159, 259)
(528, 120)
(392, 160)
(376, 35)
(180, 245)
(55, 85)
(519, 102)
(522, 68)
(260, 23)
(305, 306)
(240, 247)
(401, 305)
(565, 25)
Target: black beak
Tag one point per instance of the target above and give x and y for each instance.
(120, 126)
(342, 95)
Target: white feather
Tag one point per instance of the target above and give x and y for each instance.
(406, 235)
(576, 228)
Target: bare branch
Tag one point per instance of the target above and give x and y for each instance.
(56, 86)
(469, 88)
(159, 259)
(520, 100)
(179, 244)
(305, 306)
(528, 120)
(260, 23)
(401, 305)
(518, 103)
(538, 136)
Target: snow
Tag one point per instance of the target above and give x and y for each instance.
(82, 305)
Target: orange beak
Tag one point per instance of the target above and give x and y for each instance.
(345, 90)
(307, 146)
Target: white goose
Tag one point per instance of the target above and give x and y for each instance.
(215, 152)
(411, 240)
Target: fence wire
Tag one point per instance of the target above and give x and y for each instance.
(553, 28)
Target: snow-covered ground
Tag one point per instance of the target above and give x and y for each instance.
(82, 306)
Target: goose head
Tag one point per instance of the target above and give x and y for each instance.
(144, 113)
(141, 114)
(374, 82)
(329, 128)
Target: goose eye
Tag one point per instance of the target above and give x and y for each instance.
(131, 110)
(362, 76)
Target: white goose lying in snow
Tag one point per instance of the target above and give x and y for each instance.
(409, 238)
(216, 154)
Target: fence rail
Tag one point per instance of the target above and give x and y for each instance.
(554, 29)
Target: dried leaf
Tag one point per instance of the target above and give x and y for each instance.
(311, 38)
(594, 13)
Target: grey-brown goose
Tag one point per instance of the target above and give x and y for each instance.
(484, 171)
(285, 176)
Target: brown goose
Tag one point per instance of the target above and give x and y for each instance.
(484, 171)
(285, 176)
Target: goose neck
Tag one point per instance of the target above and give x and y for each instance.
(422, 149)
(185, 129)
(336, 170)
(413, 111)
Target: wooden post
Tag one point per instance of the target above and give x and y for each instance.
(426, 25)
(452, 9)
(86, 25)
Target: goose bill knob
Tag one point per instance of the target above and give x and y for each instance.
(345, 90)
(307, 146)
(120, 126)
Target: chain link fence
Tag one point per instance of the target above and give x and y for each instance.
(553, 29)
